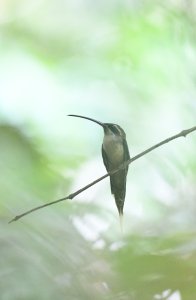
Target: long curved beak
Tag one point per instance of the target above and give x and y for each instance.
(93, 120)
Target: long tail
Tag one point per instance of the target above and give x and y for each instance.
(119, 205)
(118, 189)
(121, 223)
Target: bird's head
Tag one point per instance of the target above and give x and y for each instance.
(110, 128)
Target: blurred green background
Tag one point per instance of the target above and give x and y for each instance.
(128, 62)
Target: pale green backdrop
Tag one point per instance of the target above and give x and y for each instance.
(128, 62)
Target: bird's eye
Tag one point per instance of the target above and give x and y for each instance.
(115, 129)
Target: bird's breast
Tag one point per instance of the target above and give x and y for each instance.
(113, 146)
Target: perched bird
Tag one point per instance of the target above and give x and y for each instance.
(114, 152)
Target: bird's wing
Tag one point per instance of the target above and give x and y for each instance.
(108, 168)
(126, 153)
(105, 160)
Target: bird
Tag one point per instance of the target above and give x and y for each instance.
(115, 152)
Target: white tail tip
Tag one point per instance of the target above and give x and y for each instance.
(121, 223)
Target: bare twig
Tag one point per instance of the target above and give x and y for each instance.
(183, 133)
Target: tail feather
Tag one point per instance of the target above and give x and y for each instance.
(118, 189)
(121, 222)
(120, 204)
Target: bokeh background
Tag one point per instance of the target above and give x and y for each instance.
(128, 62)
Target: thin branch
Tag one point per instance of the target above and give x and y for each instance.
(183, 133)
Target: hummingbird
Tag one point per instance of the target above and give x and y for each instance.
(115, 151)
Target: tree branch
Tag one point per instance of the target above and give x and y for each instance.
(183, 133)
